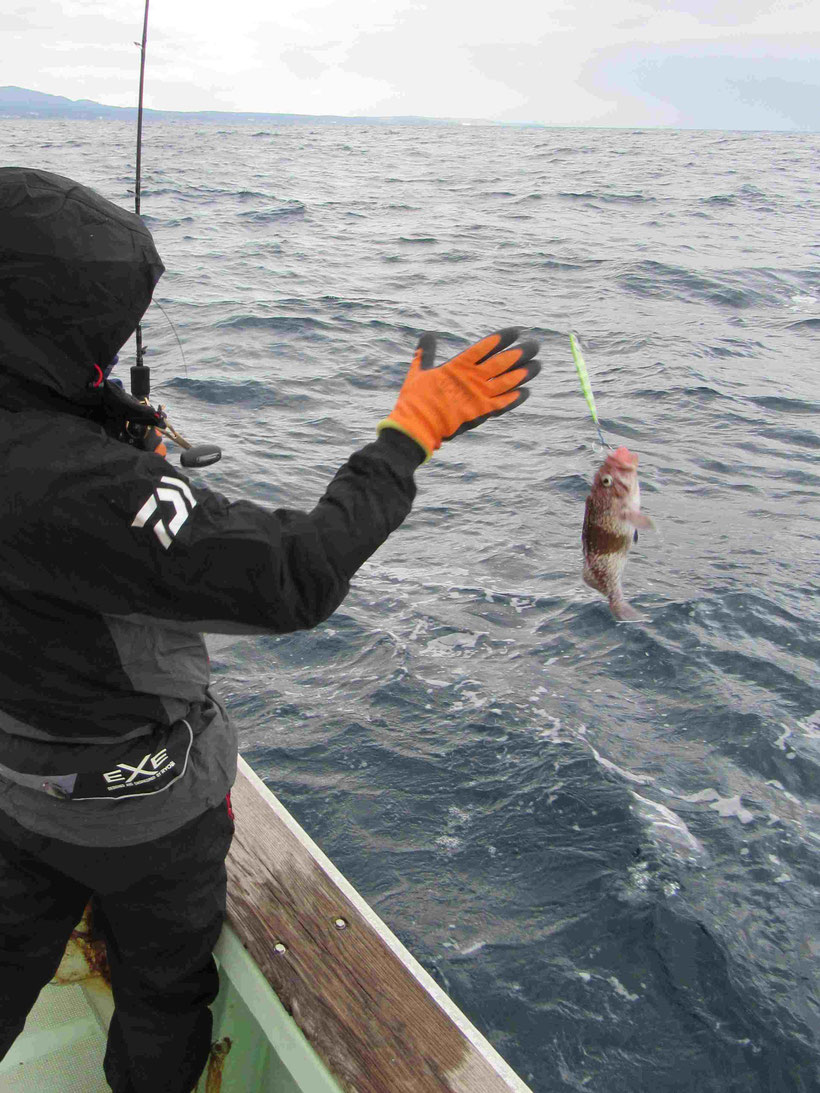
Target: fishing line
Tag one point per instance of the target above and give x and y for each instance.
(171, 324)
(586, 386)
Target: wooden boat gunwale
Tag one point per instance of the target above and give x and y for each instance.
(374, 1015)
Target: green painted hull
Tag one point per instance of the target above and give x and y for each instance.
(257, 1046)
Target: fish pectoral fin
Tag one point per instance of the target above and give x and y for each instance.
(635, 537)
(638, 519)
(625, 612)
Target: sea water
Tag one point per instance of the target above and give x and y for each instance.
(602, 839)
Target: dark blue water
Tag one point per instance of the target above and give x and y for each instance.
(602, 839)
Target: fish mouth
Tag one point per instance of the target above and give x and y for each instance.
(623, 458)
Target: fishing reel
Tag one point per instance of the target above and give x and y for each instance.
(193, 456)
(140, 417)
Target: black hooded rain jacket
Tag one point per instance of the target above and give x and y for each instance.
(113, 563)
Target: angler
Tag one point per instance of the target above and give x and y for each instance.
(112, 566)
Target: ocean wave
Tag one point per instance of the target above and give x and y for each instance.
(305, 326)
(609, 198)
(280, 212)
(784, 404)
(737, 289)
(237, 393)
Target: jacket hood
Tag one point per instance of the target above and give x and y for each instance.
(76, 276)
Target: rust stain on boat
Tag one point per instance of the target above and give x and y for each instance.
(216, 1064)
(86, 956)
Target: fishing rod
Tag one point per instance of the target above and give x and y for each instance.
(137, 182)
(203, 455)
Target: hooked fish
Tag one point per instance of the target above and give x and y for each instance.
(611, 521)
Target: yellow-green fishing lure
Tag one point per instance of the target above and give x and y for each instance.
(583, 376)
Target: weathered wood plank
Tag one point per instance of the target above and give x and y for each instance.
(377, 1019)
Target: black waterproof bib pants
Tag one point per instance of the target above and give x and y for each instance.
(160, 906)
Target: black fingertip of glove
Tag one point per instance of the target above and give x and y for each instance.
(523, 393)
(427, 345)
(506, 337)
(533, 368)
(528, 351)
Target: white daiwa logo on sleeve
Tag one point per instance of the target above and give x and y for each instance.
(176, 493)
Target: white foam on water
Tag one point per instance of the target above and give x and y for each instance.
(454, 645)
(435, 682)
(474, 948)
(802, 303)
(556, 733)
(613, 981)
(668, 828)
(621, 989)
(607, 764)
(724, 806)
(702, 795)
(731, 806)
(450, 844)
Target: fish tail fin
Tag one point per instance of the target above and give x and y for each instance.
(623, 611)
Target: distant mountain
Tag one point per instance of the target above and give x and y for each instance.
(18, 102)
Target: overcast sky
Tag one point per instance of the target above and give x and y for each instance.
(717, 64)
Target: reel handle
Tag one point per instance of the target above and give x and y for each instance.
(200, 455)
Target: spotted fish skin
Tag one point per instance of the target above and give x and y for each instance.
(611, 519)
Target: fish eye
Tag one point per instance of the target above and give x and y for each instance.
(606, 480)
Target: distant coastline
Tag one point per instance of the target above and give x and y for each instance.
(19, 102)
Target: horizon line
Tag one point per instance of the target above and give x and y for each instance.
(206, 114)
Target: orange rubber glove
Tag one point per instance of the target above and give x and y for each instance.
(485, 380)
